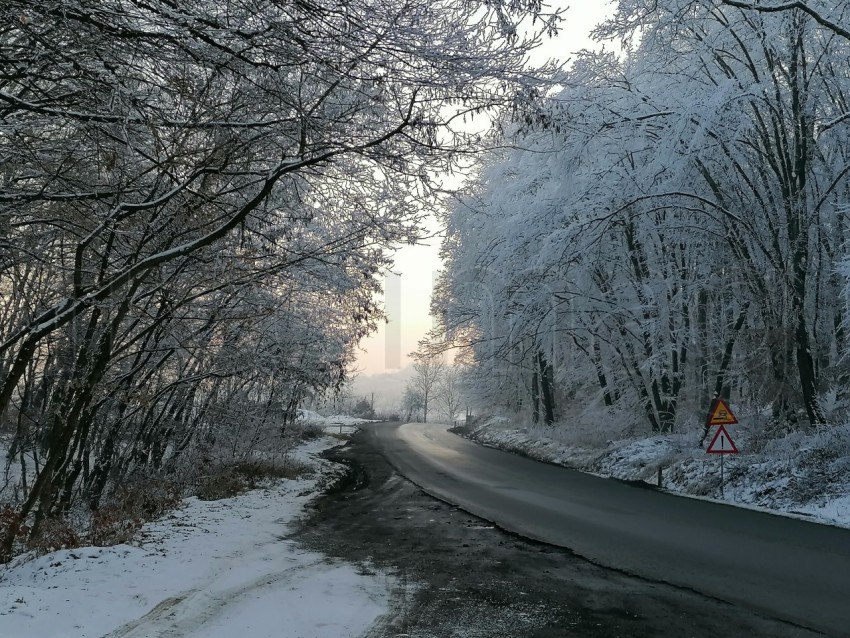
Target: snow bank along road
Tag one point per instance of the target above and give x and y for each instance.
(781, 567)
(211, 569)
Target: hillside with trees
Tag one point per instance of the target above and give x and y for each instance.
(670, 227)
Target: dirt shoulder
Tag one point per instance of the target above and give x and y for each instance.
(457, 575)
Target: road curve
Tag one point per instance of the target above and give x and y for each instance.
(777, 566)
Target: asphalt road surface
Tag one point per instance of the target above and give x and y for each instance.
(454, 575)
(775, 566)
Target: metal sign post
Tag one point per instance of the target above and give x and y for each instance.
(722, 444)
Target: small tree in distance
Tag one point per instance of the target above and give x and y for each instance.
(363, 409)
(428, 371)
(449, 393)
(411, 404)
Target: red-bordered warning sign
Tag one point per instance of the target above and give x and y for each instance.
(722, 443)
(721, 414)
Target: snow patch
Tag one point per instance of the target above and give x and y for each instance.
(334, 424)
(210, 568)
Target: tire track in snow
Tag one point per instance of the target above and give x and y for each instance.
(188, 612)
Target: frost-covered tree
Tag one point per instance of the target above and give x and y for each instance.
(411, 403)
(195, 201)
(670, 222)
(428, 372)
(450, 393)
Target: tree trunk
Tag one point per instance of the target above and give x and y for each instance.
(721, 387)
(600, 374)
(535, 396)
(546, 382)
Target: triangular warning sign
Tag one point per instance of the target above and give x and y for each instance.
(721, 414)
(722, 443)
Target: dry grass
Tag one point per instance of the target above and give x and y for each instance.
(129, 507)
(229, 480)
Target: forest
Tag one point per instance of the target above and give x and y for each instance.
(669, 226)
(197, 202)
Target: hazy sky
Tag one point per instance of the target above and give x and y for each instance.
(418, 265)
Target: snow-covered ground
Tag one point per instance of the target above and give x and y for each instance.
(333, 424)
(801, 474)
(211, 568)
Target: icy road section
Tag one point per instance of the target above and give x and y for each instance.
(215, 568)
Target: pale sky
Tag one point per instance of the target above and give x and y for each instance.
(388, 350)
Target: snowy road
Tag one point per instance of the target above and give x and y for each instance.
(781, 567)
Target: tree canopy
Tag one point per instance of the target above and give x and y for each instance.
(670, 225)
(196, 199)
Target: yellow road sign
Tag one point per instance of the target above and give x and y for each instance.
(721, 414)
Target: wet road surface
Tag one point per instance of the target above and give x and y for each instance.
(782, 567)
(456, 575)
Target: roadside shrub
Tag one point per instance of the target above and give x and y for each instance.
(256, 471)
(230, 480)
(130, 506)
(308, 431)
(111, 526)
(11, 522)
(223, 482)
(55, 534)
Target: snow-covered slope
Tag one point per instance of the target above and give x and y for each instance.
(211, 568)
